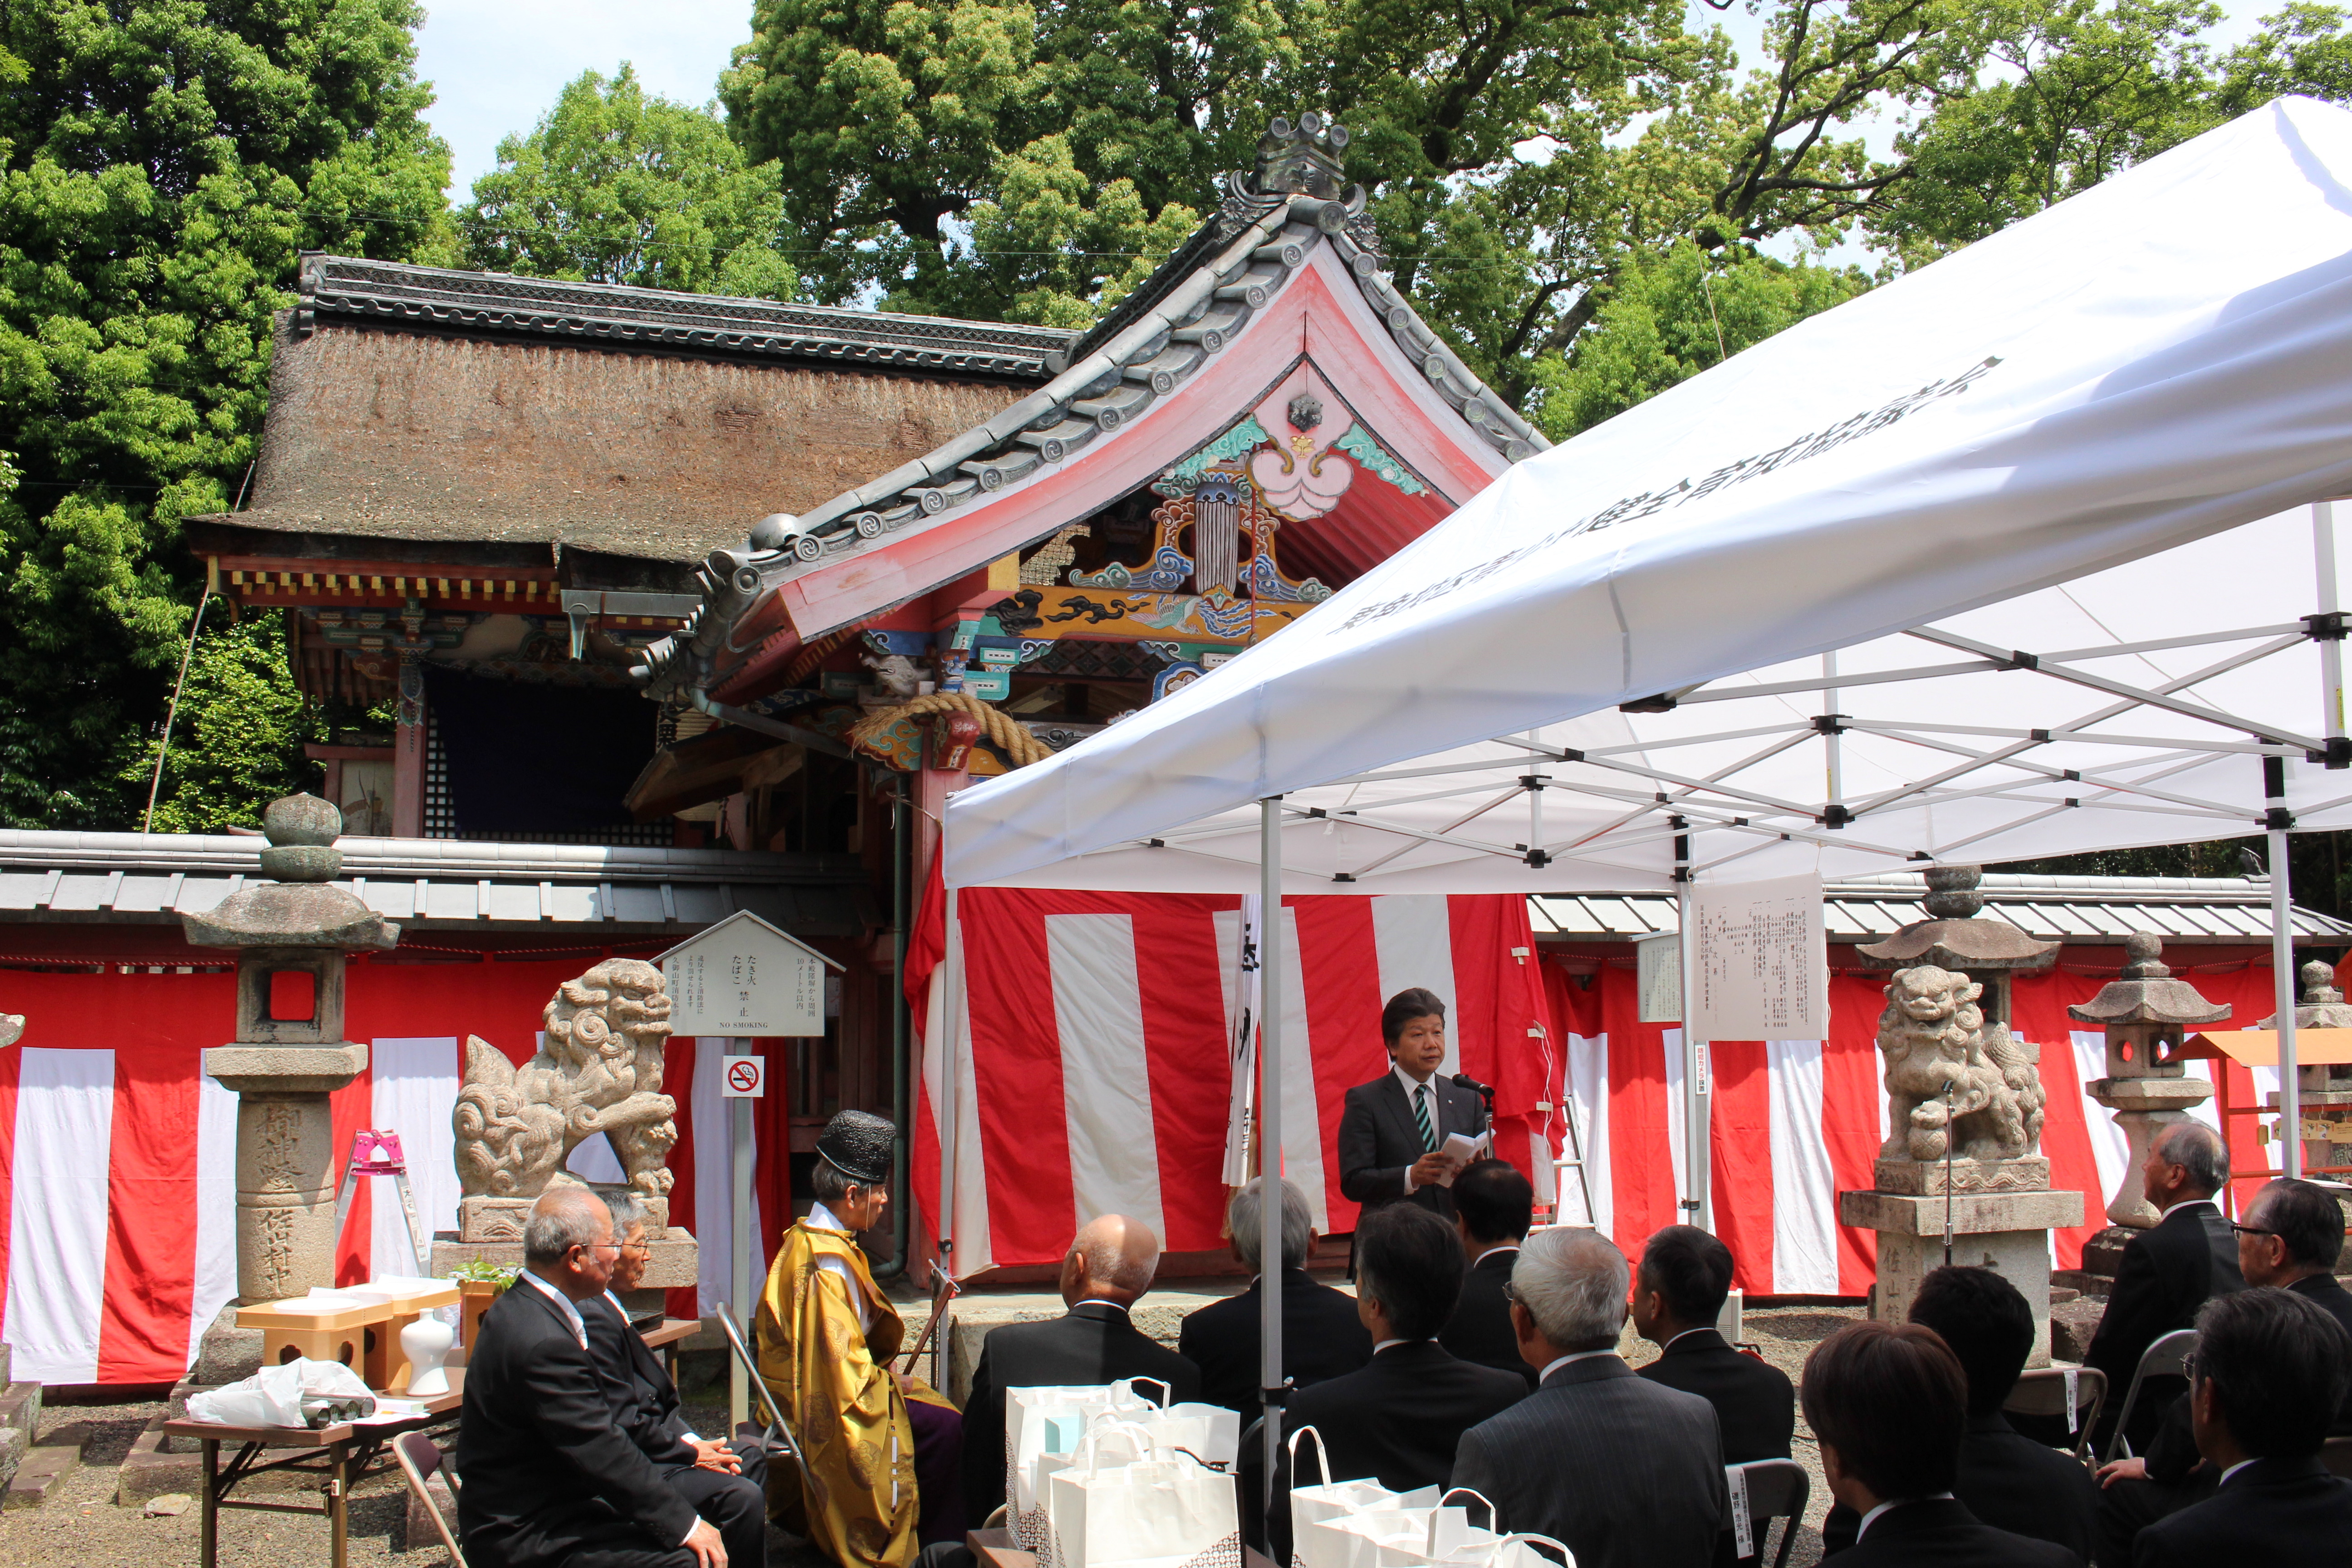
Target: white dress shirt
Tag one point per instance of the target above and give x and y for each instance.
(1872, 1517)
(1553, 1366)
(1436, 1114)
(823, 1219)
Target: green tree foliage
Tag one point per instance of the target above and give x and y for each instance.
(162, 163)
(1671, 316)
(615, 186)
(236, 740)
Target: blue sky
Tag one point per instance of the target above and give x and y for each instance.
(497, 65)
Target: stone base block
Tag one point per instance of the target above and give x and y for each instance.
(675, 1258)
(1972, 1214)
(2150, 1094)
(1917, 1177)
(20, 1418)
(2072, 1324)
(151, 1470)
(225, 1352)
(2103, 1253)
(2019, 1257)
(493, 1219)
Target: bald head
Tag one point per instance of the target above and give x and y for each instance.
(1111, 1260)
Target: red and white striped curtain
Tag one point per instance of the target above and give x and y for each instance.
(1085, 1067)
(118, 1156)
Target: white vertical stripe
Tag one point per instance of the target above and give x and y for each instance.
(215, 1283)
(1412, 936)
(1676, 1144)
(1302, 1115)
(1106, 1076)
(57, 1216)
(1804, 1196)
(975, 1246)
(1588, 1084)
(2110, 1149)
(714, 1188)
(413, 1087)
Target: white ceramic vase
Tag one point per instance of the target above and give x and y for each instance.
(425, 1342)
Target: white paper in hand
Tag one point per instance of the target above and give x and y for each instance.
(1459, 1151)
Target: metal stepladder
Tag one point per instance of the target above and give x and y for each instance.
(376, 1153)
(1572, 1160)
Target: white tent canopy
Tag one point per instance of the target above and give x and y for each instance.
(2145, 366)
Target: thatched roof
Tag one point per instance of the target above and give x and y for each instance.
(418, 403)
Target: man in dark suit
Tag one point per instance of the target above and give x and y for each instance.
(1678, 1295)
(2006, 1479)
(1399, 1419)
(726, 1482)
(2290, 1239)
(1492, 1205)
(1889, 1405)
(1321, 1337)
(1624, 1472)
(1109, 1268)
(549, 1479)
(2167, 1272)
(2272, 1369)
(1392, 1129)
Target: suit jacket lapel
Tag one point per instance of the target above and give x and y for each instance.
(1399, 1108)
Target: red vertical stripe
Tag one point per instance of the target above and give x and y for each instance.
(677, 1082)
(11, 1063)
(1339, 971)
(1851, 1096)
(151, 1244)
(1640, 1166)
(1183, 1001)
(1017, 1073)
(1741, 1163)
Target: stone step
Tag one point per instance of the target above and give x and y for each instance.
(151, 1470)
(2090, 1286)
(47, 1465)
(20, 1417)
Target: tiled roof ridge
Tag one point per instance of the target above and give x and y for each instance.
(1268, 222)
(354, 288)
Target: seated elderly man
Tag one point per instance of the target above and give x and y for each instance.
(550, 1480)
(1626, 1472)
(725, 1482)
(1321, 1337)
(1108, 1268)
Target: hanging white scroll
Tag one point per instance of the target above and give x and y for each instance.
(1762, 961)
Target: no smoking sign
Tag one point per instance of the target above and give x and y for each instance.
(742, 1078)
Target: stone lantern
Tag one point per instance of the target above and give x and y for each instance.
(291, 936)
(2147, 1014)
(2323, 1092)
(1961, 1172)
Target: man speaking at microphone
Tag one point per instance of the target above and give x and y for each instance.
(1393, 1131)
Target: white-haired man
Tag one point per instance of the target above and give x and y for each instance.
(1626, 1472)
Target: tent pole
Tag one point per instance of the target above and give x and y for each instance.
(2283, 986)
(1696, 1149)
(1269, 1136)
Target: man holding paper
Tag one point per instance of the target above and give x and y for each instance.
(1405, 1135)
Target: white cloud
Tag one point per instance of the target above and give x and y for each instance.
(496, 66)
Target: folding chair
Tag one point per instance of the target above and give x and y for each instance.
(2337, 1455)
(778, 1438)
(420, 1458)
(1777, 1489)
(2043, 1393)
(2167, 1357)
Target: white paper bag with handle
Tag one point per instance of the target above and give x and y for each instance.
(1157, 1512)
(1050, 1419)
(1327, 1498)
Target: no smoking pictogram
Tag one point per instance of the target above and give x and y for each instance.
(742, 1078)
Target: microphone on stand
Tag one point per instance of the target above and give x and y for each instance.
(1464, 1081)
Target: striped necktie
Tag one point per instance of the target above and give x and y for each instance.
(1421, 1116)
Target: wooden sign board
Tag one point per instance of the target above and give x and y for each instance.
(743, 977)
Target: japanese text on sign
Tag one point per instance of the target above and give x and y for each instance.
(1763, 958)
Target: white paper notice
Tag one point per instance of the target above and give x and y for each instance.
(1762, 961)
(1658, 971)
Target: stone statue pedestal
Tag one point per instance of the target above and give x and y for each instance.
(674, 1262)
(2008, 1232)
(1931, 1178)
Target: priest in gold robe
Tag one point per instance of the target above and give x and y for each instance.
(883, 1450)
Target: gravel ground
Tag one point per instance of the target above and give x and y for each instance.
(82, 1528)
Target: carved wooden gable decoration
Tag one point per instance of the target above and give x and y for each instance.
(1261, 421)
